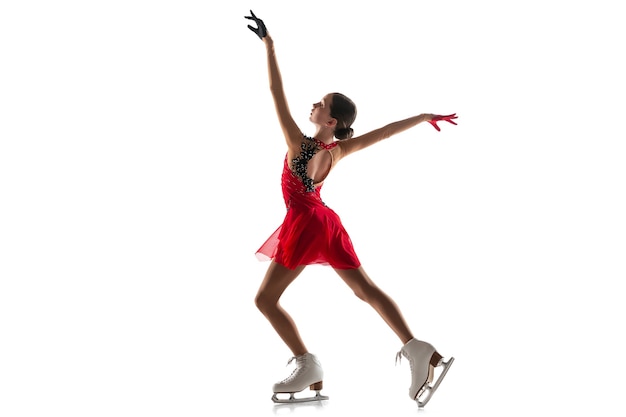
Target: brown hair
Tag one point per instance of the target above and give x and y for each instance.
(344, 110)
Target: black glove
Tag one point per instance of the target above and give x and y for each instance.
(260, 30)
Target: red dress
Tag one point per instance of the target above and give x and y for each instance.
(311, 232)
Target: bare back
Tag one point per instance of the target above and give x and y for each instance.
(320, 160)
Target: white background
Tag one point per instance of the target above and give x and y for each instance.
(140, 162)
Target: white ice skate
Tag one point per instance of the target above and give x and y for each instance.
(308, 373)
(423, 359)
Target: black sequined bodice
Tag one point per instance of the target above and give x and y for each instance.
(299, 163)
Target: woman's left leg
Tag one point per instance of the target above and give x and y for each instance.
(421, 355)
(366, 290)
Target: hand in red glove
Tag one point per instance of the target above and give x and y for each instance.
(447, 118)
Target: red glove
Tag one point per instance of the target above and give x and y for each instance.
(447, 118)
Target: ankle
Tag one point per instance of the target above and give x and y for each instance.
(407, 339)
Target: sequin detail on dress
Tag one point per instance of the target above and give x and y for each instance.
(299, 164)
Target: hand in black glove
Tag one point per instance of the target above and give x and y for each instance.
(260, 30)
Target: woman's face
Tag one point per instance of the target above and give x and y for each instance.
(320, 113)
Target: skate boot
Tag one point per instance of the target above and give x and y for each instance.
(423, 359)
(308, 373)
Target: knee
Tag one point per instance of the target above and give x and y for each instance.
(369, 292)
(264, 302)
(364, 292)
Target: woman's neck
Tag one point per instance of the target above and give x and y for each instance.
(325, 135)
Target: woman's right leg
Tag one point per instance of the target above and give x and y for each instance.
(277, 279)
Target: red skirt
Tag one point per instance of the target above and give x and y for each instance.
(310, 235)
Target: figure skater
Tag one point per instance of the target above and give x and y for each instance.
(312, 233)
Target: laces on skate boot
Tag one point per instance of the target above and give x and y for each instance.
(307, 373)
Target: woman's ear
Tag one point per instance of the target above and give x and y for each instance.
(332, 122)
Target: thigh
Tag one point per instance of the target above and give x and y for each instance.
(277, 279)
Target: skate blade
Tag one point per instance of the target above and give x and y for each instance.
(293, 400)
(426, 394)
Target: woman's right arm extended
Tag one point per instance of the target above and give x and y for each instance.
(292, 132)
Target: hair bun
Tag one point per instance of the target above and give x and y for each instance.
(344, 133)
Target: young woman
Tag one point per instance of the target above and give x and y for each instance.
(312, 233)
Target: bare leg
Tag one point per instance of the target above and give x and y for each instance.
(277, 279)
(367, 291)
